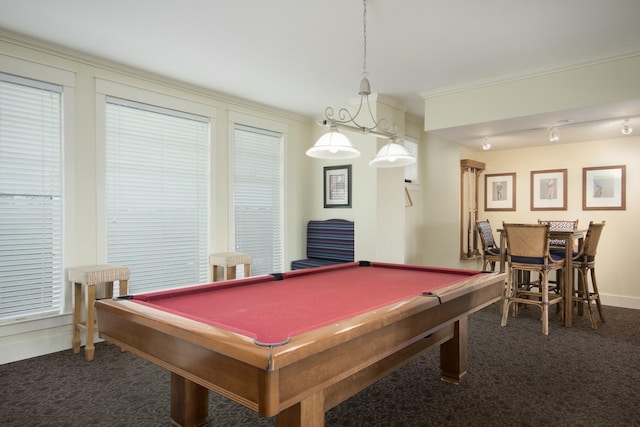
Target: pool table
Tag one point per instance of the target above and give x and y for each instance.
(293, 345)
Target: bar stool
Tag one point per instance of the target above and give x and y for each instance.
(86, 278)
(229, 261)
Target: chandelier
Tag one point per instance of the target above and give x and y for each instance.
(336, 145)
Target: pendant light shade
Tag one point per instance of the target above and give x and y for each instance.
(392, 155)
(333, 145)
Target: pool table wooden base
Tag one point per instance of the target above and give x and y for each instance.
(190, 401)
(298, 382)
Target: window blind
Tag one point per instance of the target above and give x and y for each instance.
(258, 191)
(157, 186)
(31, 274)
(411, 171)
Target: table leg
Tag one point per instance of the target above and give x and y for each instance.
(568, 282)
(189, 402)
(308, 413)
(453, 353)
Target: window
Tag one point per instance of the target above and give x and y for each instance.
(31, 226)
(411, 171)
(258, 197)
(157, 202)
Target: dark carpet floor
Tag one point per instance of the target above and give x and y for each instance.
(517, 377)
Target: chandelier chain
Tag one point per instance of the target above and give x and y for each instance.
(364, 37)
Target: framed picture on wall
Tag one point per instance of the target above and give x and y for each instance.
(604, 188)
(549, 190)
(337, 186)
(500, 192)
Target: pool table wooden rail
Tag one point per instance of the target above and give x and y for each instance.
(315, 370)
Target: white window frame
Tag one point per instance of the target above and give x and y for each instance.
(66, 79)
(269, 125)
(151, 95)
(413, 147)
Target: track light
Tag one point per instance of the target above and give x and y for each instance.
(553, 130)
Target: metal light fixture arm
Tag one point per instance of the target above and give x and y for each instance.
(380, 127)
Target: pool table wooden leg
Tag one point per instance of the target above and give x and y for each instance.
(189, 402)
(453, 354)
(308, 413)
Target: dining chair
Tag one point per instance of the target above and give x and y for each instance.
(556, 245)
(490, 252)
(528, 251)
(585, 262)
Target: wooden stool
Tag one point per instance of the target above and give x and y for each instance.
(229, 260)
(87, 278)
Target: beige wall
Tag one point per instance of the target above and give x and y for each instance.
(616, 253)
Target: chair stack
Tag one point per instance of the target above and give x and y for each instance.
(527, 251)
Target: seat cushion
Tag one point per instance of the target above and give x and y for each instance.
(492, 251)
(535, 260)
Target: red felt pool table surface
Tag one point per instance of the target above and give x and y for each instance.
(296, 344)
(271, 311)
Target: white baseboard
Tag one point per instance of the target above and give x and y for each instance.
(620, 301)
(16, 351)
(37, 343)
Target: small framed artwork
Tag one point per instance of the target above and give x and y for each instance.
(604, 188)
(549, 190)
(500, 192)
(337, 186)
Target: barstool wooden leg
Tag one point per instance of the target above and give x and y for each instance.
(230, 273)
(596, 293)
(77, 306)
(108, 292)
(89, 348)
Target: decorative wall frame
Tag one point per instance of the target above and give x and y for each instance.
(337, 186)
(500, 192)
(549, 190)
(604, 188)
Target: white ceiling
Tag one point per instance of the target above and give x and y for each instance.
(303, 56)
